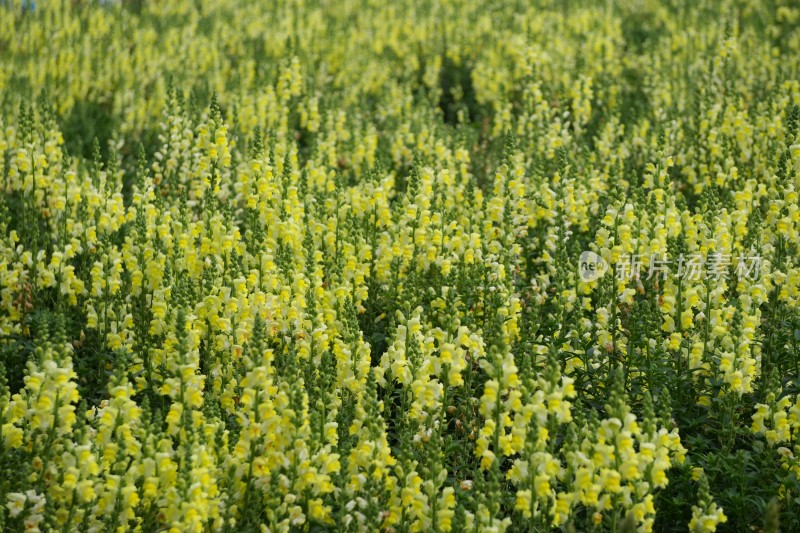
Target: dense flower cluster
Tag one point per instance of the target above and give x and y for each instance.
(303, 265)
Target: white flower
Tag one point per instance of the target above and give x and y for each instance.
(16, 503)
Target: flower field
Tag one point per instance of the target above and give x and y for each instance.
(416, 266)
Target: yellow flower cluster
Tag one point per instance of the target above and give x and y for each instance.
(707, 515)
(778, 421)
(315, 265)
